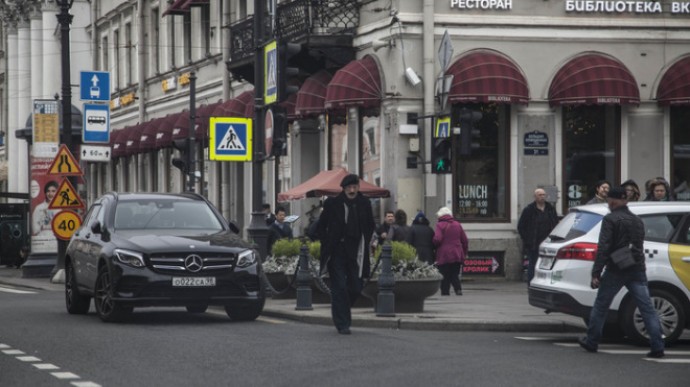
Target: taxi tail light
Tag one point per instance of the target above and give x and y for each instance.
(580, 251)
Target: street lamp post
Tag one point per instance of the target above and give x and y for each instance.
(64, 19)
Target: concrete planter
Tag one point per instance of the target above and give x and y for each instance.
(409, 294)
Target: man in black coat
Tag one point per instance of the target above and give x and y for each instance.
(535, 224)
(345, 229)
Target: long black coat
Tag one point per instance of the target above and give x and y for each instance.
(421, 236)
(331, 227)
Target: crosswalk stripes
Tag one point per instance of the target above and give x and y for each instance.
(673, 356)
(16, 291)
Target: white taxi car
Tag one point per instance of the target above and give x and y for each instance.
(563, 271)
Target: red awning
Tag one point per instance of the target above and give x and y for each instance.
(147, 141)
(195, 3)
(176, 8)
(311, 97)
(133, 138)
(165, 129)
(327, 183)
(593, 79)
(118, 139)
(235, 107)
(203, 115)
(249, 108)
(488, 77)
(674, 88)
(180, 128)
(356, 84)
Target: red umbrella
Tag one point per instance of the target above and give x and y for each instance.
(327, 183)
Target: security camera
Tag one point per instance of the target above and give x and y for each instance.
(412, 77)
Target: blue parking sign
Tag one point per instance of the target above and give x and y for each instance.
(94, 86)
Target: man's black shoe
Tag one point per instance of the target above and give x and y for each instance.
(655, 354)
(587, 346)
(344, 331)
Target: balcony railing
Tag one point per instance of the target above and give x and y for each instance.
(323, 17)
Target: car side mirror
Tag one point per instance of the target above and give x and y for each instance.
(233, 227)
(96, 228)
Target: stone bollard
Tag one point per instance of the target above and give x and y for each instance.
(385, 301)
(304, 281)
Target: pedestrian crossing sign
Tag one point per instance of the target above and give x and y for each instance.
(230, 139)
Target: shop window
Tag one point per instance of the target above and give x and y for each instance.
(480, 170)
(591, 134)
(680, 141)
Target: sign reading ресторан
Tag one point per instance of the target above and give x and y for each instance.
(622, 6)
(482, 4)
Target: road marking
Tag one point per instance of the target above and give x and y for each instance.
(16, 291)
(65, 375)
(86, 384)
(28, 358)
(271, 320)
(2, 346)
(674, 361)
(12, 352)
(535, 338)
(46, 366)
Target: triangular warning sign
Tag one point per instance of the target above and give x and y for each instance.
(230, 141)
(66, 197)
(65, 164)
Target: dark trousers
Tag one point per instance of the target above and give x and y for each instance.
(450, 272)
(532, 256)
(346, 286)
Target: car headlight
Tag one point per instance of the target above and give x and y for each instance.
(246, 259)
(130, 258)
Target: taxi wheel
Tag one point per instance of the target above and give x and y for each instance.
(671, 317)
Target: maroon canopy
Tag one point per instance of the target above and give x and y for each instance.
(327, 183)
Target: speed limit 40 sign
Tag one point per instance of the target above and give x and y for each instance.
(65, 223)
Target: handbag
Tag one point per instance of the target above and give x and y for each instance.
(623, 257)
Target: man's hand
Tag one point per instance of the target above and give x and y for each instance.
(595, 283)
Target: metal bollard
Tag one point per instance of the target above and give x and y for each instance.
(385, 300)
(304, 281)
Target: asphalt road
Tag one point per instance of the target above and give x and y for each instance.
(170, 347)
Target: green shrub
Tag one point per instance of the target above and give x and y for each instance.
(315, 249)
(286, 247)
(404, 263)
(401, 252)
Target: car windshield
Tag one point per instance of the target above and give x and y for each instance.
(166, 214)
(575, 224)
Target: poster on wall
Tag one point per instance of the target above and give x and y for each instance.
(43, 189)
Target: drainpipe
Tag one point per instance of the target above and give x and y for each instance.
(430, 183)
(225, 167)
(142, 49)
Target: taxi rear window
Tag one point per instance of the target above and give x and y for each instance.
(575, 224)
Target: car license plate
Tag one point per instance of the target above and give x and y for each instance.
(193, 281)
(546, 263)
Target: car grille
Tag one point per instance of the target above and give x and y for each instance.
(174, 263)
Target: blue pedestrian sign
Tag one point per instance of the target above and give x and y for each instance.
(230, 139)
(95, 86)
(96, 127)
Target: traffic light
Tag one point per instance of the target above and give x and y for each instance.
(287, 50)
(441, 155)
(280, 129)
(181, 162)
(469, 134)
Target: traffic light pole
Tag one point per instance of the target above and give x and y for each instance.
(64, 19)
(258, 230)
(191, 143)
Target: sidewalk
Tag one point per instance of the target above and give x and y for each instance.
(486, 305)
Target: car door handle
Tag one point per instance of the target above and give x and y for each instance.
(685, 259)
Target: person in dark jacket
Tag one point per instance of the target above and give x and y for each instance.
(619, 229)
(345, 229)
(399, 229)
(535, 224)
(421, 237)
(278, 229)
(451, 248)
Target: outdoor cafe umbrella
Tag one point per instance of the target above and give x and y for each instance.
(327, 183)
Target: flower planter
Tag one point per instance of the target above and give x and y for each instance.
(280, 282)
(409, 294)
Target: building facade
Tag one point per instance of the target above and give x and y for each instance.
(560, 94)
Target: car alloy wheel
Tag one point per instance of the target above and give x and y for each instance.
(75, 302)
(107, 309)
(669, 310)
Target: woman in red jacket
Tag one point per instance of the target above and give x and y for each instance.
(451, 248)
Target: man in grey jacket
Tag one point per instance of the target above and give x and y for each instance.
(619, 229)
